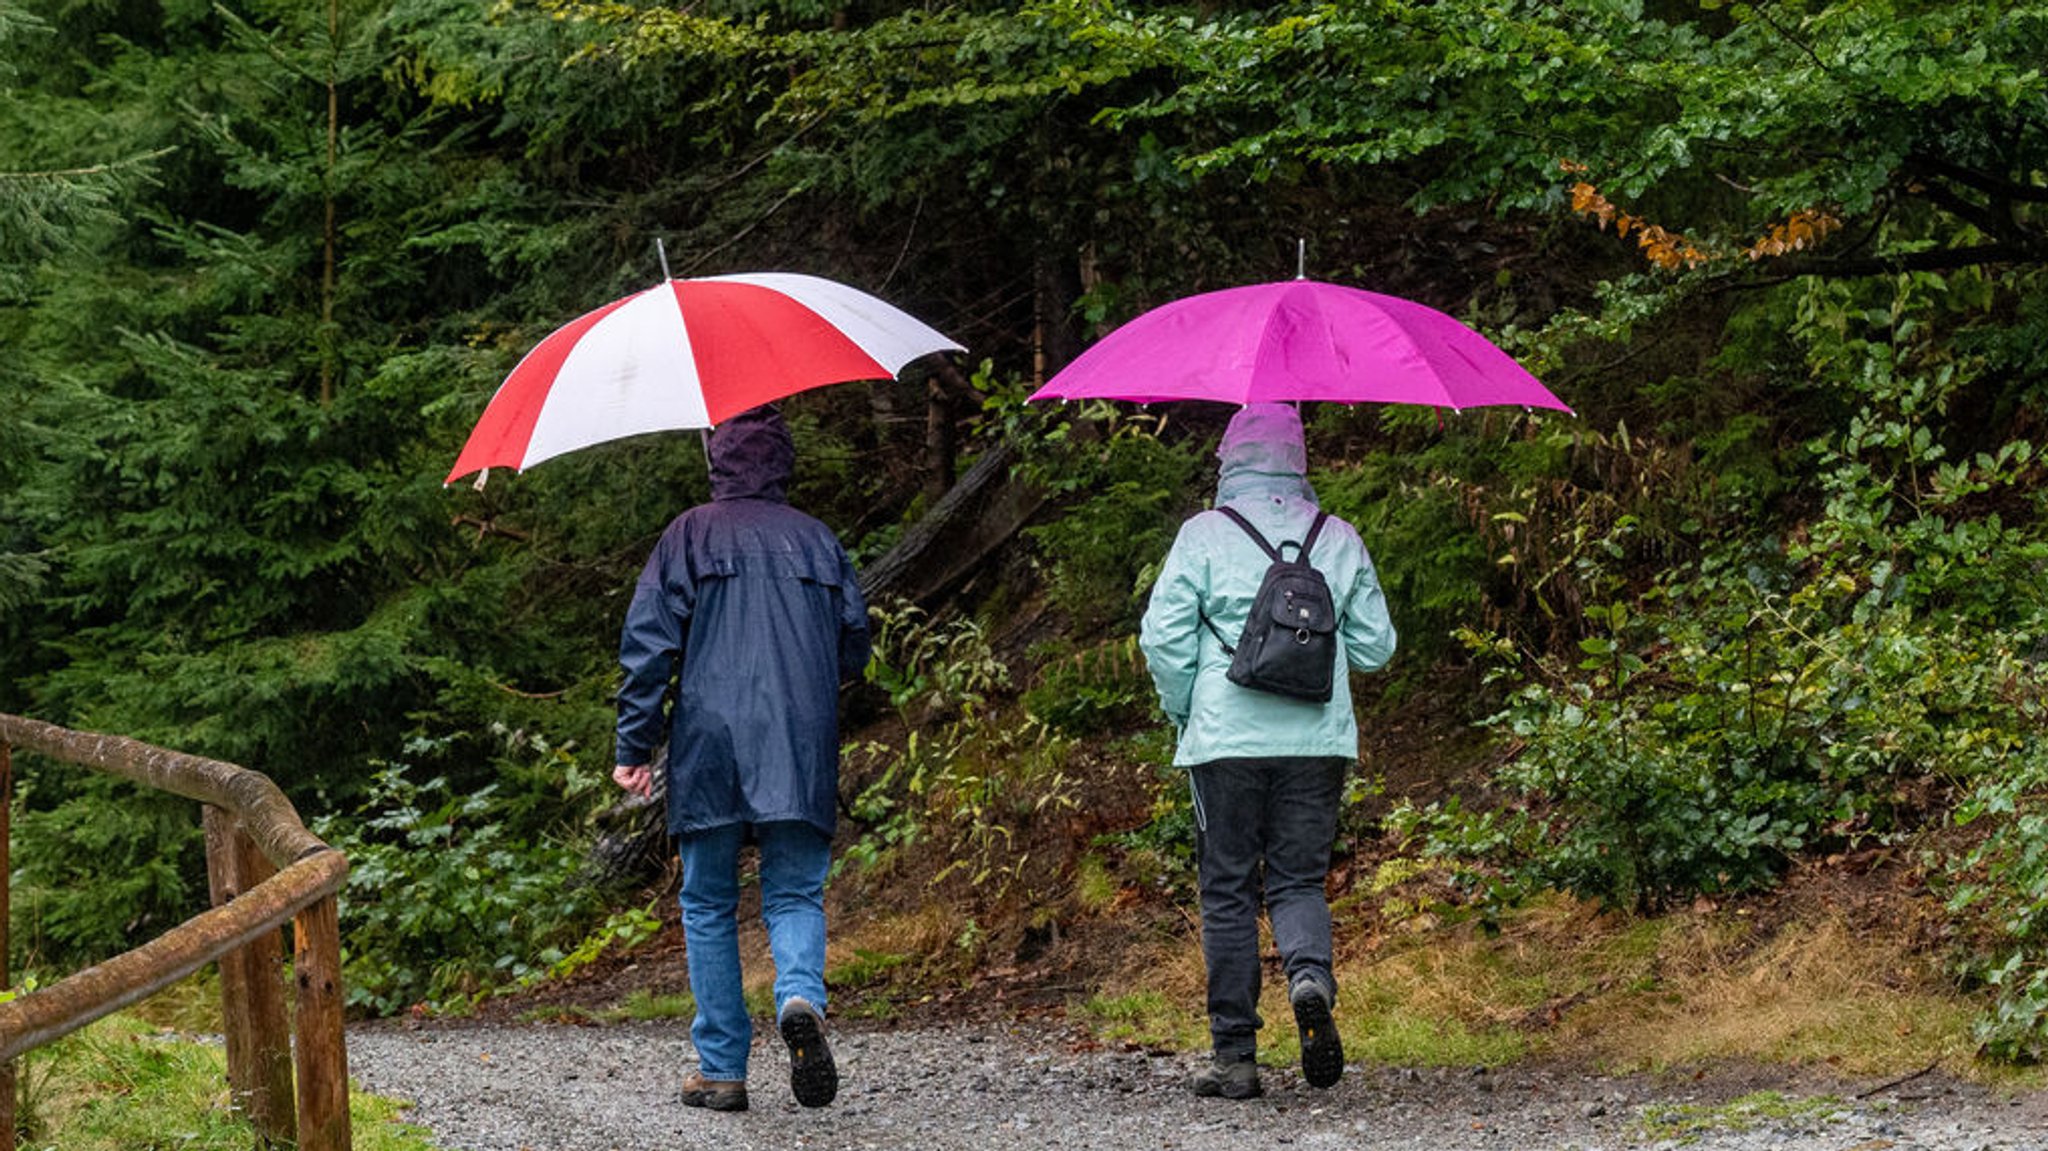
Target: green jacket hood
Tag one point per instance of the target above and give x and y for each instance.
(1263, 454)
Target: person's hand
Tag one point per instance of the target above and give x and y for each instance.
(635, 779)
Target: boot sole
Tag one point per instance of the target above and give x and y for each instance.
(813, 1077)
(1322, 1051)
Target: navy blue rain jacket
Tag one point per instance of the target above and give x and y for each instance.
(749, 607)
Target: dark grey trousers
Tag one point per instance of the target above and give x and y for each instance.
(1269, 826)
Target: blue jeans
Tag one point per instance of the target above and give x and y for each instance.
(1271, 823)
(795, 858)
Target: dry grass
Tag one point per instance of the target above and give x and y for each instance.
(871, 961)
(1647, 994)
(1156, 1001)
(1808, 992)
(1561, 980)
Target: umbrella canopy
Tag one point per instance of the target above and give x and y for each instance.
(688, 354)
(1298, 340)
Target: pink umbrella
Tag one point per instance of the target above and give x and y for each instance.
(687, 354)
(1298, 340)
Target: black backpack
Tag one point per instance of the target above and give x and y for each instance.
(1289, 642)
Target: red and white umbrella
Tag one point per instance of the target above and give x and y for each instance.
(688, 354)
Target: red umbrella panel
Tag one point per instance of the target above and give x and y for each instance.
(688, 354)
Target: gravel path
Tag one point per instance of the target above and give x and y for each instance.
(551, 1087)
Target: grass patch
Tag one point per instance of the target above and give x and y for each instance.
(644, 1006)
(873, 965)
(1647, 994)
(1094, 887)
(1147, 1018)
(124, 1083)
(1400, 1038)
(866, 968)
(863, 983)
(1686, 1121)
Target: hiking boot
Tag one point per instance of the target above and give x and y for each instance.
(1322, 1050)
(1229, 1079)
(813, 1077)
(714, 1094)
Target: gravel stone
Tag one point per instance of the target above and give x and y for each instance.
(562, 1087)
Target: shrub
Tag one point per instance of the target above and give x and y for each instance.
(1094, 690)
(1817, 689)
(101, 864)
(447, 898)
(1101, 557)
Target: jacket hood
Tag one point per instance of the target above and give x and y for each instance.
(1263, 454)
(752, 456)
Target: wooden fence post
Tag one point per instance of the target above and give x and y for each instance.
(322, 1049)
(253, 1021)
(6, 909)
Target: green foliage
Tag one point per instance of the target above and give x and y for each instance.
(1132, 490)
(1778, 695)
(621, 931)
(889, 808)
(100, 863)
(998, 779)
(449, 898)
(938, 675)
(1160, 853)
(2002, 883)
(963, 771)
(1097, 689)
(943, 667)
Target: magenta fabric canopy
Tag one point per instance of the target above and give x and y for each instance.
(1297, 340)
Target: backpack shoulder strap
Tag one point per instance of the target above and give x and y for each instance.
(1251, 531)
(1216, 631)
(1308, 543)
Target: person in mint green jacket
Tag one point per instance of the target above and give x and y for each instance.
(1267, 770)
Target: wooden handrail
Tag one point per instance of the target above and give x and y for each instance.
(240, 933)
(255, 801)
(50, 1013)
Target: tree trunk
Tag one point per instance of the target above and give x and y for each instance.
(327, 233)
(975, 518)
(941, 444)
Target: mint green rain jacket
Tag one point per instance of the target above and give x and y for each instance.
(1215, 568)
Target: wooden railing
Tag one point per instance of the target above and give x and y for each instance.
(264, 868)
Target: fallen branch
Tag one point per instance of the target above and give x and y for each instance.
(1908, 1078)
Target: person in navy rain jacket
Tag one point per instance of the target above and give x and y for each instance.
(743, 624)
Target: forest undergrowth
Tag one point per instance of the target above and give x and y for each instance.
(1068, 903)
